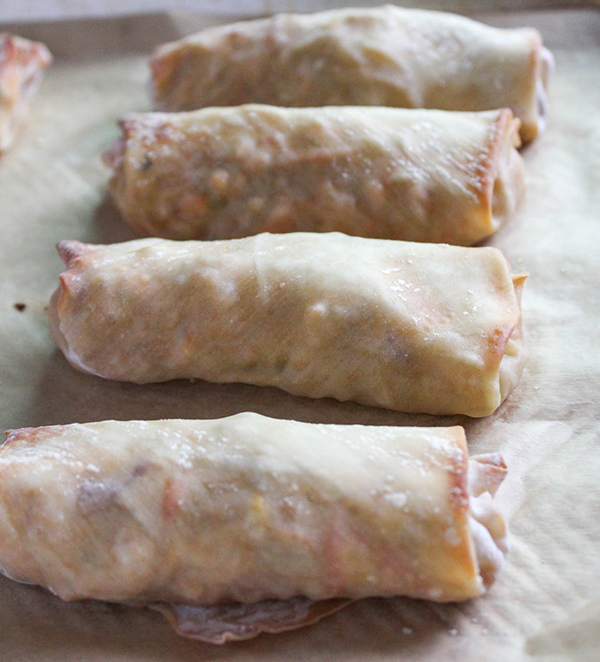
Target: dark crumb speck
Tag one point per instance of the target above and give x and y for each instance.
(20, 307)
(146, 164)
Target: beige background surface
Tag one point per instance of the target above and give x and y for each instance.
(546, 606)
(37, 10)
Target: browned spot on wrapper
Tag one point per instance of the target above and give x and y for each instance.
(32, 435)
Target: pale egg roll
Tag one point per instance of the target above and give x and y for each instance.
(384, 56)
(389, 173)
(243, 524)
(22, 63)
(408, 326)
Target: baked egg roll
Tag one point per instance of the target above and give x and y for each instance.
(22, 63)
(384, 56)
(389, 173)
(427, 328)
(215, 520)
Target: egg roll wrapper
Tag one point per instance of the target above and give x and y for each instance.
(237, 621)
(389, 173)
(406, 326)
(247, 509)
(22, 63)
(383, 56)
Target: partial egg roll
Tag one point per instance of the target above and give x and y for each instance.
(22, 63)
(412, 327)
(247, 524)
(385, 56)
(389, 173)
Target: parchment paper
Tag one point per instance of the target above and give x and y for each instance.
(547, 603)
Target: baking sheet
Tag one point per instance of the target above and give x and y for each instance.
(546, 605)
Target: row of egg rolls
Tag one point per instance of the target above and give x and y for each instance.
(247, 524)
(229, 172)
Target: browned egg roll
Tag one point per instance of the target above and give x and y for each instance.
(385, 56)
(389, 173)
(22, 63)
(413, 327)
(248, 524)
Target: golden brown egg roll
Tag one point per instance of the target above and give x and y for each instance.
(385, 56)
(413, 327)
(389, 173)
(22, 63)
(248, 523)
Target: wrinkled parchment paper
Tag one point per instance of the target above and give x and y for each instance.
(546, 604)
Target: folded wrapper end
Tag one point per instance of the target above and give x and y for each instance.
(487, 525)
(162, 68)
(513, 360)
(536, 110)
(114, 158)
(157, 69)
(69, 250)
(505, 187)
(114, 155)
(486, 473)
(547, 66)
(237, 622)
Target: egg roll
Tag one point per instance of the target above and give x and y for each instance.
(384, 56)
(22, 63)
(243, 524)
(389, 173)
(427, 328)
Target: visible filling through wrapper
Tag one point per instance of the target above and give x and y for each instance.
(168, 193)
(218, 624)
